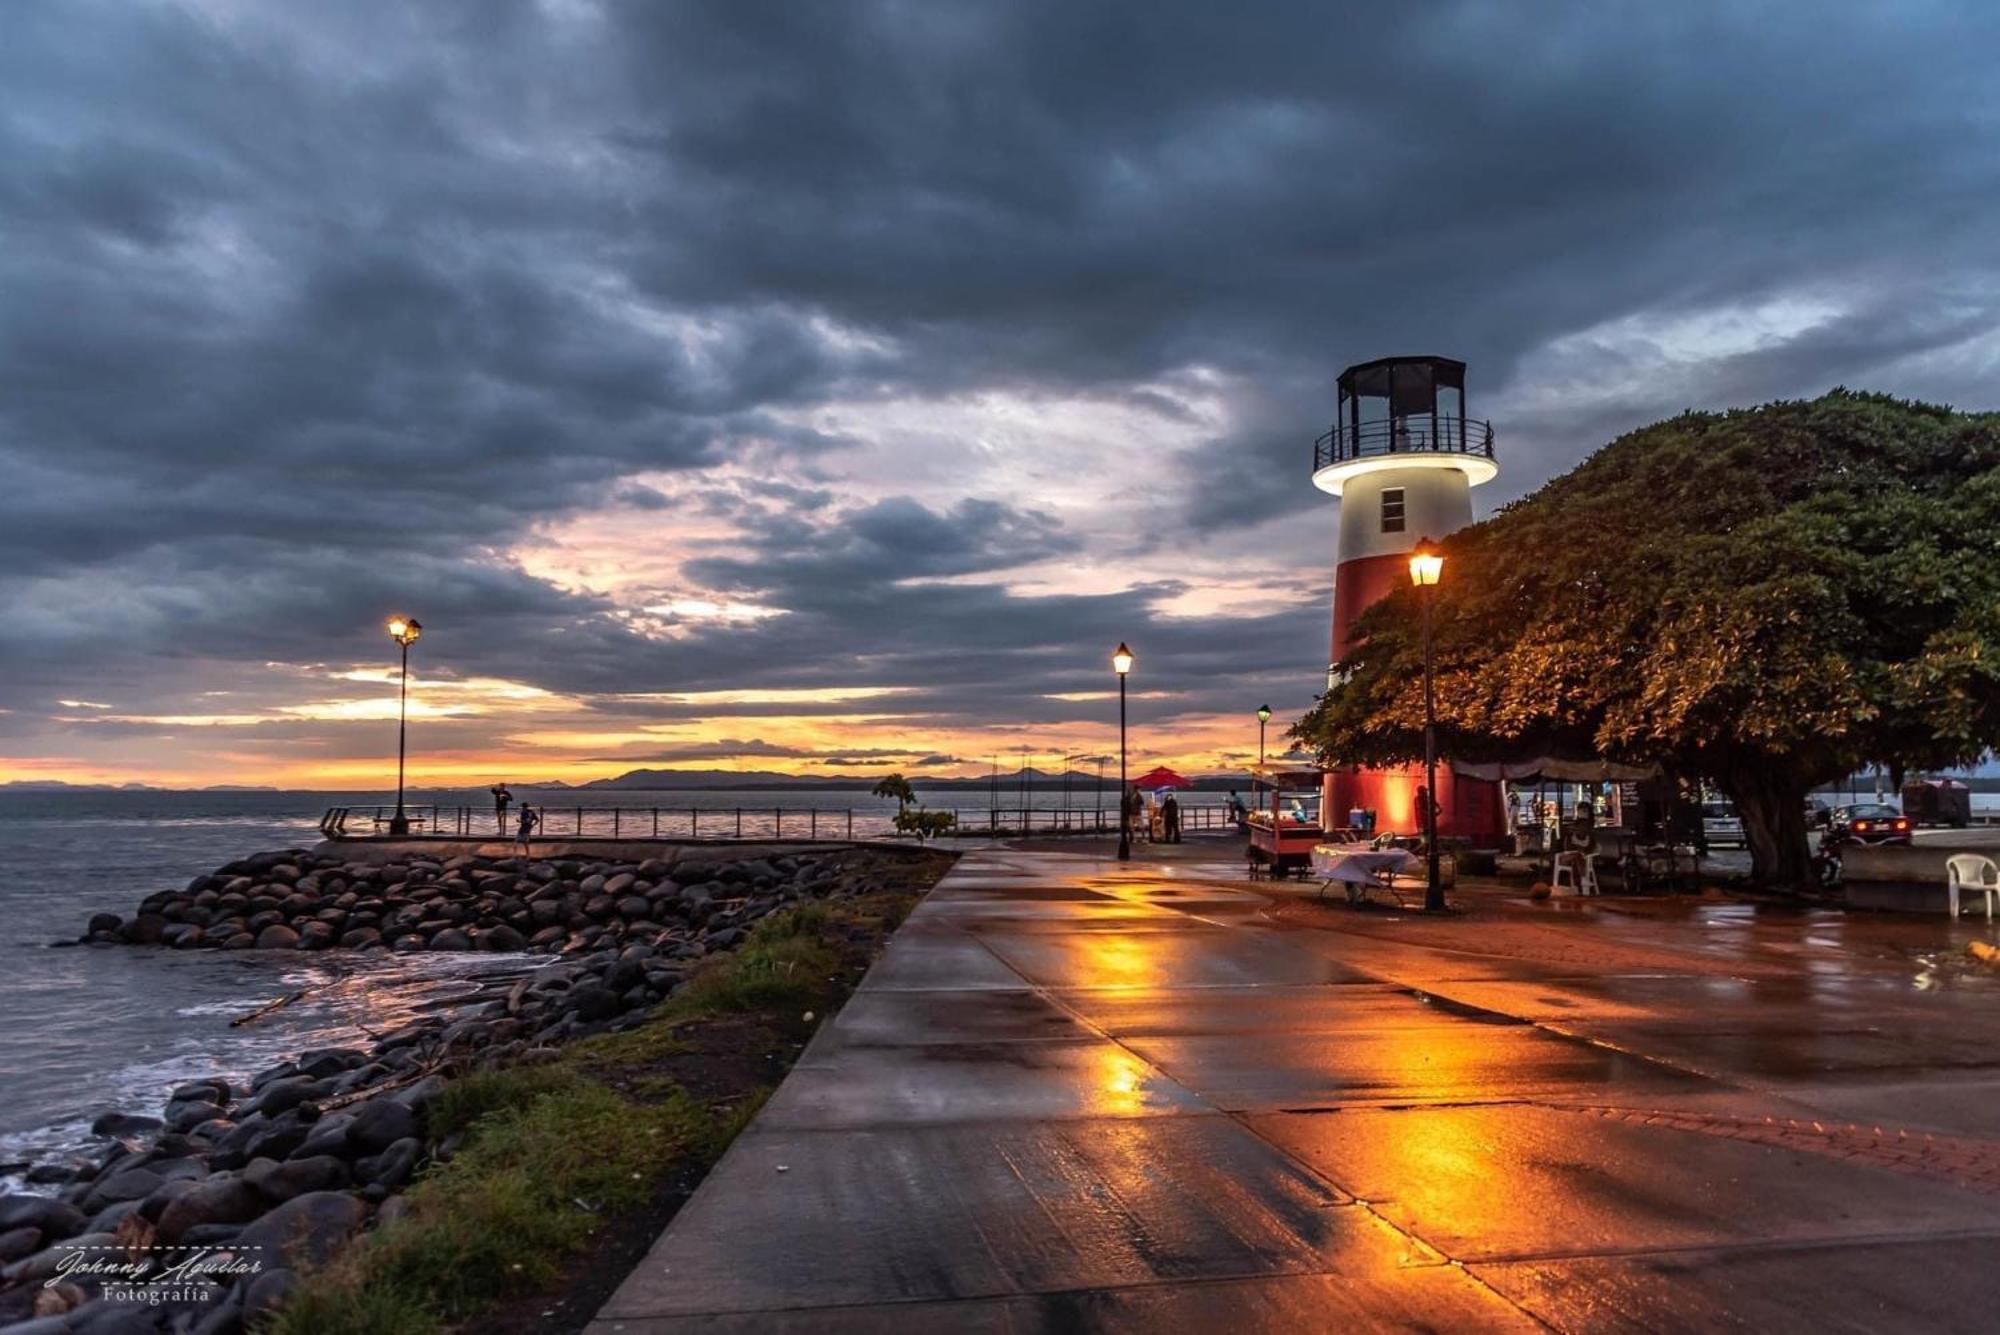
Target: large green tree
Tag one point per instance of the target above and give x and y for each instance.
(1765, 599)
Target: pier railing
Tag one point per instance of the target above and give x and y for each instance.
(739, 822)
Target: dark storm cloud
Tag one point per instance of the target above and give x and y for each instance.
(308, 313)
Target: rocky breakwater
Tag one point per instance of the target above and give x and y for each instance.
(201, 1219)
(300, 900)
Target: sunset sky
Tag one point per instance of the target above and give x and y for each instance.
(829, 387)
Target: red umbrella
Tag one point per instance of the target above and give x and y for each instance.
(1160, 777)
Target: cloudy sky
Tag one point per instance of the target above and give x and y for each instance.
(823, 386)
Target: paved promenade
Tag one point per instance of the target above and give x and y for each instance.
(1079, 1096)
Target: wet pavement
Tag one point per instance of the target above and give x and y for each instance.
(1075, 1095)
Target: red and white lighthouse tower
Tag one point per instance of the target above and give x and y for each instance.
(1403, 458)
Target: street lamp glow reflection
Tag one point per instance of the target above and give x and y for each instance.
(1121, 663)
(1426, 564)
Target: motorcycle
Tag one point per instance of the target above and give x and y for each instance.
(1826, 860)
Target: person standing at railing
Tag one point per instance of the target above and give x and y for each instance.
(524, 830)
(1170, 818)
(501, 799)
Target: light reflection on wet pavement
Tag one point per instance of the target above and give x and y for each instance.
(1079, 1095)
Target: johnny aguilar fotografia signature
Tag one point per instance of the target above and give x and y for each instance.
(180, 1276)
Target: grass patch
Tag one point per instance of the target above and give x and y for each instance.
(784, 962)
(472, 1096)
(531, 1185)
(609, 1131)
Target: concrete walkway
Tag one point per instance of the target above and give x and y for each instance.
(1075, 1095)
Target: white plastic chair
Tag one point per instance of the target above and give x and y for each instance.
(1566, 865)
(1970, 873)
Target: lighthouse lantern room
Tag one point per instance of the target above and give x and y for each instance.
(1403, 457)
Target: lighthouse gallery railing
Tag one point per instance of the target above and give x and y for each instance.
(1403, 435)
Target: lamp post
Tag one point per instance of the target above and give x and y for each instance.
(404, 631)
(1426, 565)
(1121, 663)
(1263, 717)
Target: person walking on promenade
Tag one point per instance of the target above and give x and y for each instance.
(524, 831)
(1170, 818)
(501, 798)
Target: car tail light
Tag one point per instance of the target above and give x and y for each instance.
(1902, 825)
(1861, 825)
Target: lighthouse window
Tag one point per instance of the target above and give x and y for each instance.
(1392, 509)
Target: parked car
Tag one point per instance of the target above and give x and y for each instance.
(1869, 823)
(1720, 824)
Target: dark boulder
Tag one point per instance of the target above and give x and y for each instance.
(591, 1001)
(393, 1166)
(184, 1116)
(222, 1199)
(132, 1184)
(380, 1123)
(144, 930)
(502, 937)
(280, 1140)
(307, 1230)
(55, 1219)
(48, 1174)
(265, 1294)
(111, 1216)
(328, 1136)
(451, 938)
(277, 937)
(280, 1182)
(168, 1192)
(285, 1094)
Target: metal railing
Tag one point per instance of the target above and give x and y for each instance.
(1403, 435)
(744, 822)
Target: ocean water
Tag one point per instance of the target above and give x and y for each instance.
(88, 1029)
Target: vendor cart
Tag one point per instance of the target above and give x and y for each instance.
(1284, 821)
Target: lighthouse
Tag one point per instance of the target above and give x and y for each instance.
(1403, 457)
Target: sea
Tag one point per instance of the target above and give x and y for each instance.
(91, 1029)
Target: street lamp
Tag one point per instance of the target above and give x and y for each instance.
(1263, 717)
(1121, 663)
(1426, 566)
(404, 631)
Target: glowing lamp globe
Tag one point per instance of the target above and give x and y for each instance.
(1425, 566)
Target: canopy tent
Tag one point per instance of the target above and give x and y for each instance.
(1160, 777)
(1293, 777)
(1555, 770)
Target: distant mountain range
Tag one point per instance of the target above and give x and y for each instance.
(710, 780)
(58, 786)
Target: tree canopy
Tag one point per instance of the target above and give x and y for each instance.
(898, 787)
(1765, 598)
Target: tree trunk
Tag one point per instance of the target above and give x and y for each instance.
(1772, 804)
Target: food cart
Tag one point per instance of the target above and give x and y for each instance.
(1284, 822)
